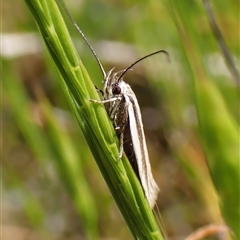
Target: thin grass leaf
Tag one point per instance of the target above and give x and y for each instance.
(220, 137)
(71, 172)
(218, 130)
(55, 146)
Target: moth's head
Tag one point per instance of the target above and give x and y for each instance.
(112, 84)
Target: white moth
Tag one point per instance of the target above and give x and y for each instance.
(123, 109)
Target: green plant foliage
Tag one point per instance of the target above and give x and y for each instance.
(51, 186)
(94, 122)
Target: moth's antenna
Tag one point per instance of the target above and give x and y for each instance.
(139, 60)
(83, 36)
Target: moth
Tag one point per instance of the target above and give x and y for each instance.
(123, 109)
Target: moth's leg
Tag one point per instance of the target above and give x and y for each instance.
(113, 110)
(121, 146)
(122, 128)
(99, 90)
(105, 101)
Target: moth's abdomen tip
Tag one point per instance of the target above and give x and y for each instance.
(153, 194)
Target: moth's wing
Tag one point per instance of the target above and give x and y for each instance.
(140, 148)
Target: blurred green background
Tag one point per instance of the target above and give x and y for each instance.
(51, 186)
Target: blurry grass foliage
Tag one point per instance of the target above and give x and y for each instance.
(196, 104)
